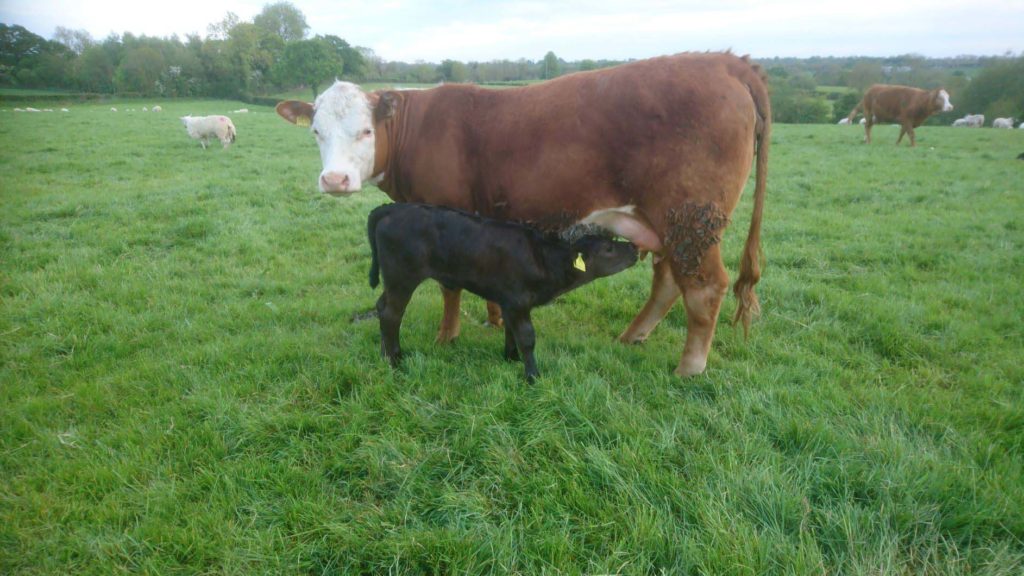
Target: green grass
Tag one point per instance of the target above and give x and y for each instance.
(184, 390)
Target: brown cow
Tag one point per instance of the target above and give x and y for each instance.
(910, 107)
(657, 151)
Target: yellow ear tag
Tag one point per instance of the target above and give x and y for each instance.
(303, 121)
(578, 264)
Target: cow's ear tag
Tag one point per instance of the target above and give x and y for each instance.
(579, 264)
(303, 121)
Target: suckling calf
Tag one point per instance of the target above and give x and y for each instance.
(511, 264)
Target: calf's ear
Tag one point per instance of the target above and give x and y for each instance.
(296, 112)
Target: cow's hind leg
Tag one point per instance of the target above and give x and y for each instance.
(493, 314)
(664, 293)
(390, 309)
(450, 321)
(702, 294)
(903, 130)
(692, 241)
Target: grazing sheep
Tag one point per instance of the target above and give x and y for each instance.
(112, 109)
(1002, 123)
(157, 109)
(65, 110)
(241, 111)
(203, 128)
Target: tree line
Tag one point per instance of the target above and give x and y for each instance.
(274, 53)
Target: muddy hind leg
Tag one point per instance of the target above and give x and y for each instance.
(702, 294)
(450, 321)
(664, 293)
(692, 239)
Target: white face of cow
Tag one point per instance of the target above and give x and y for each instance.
(341, 120)
(343, 128)
(943, 100)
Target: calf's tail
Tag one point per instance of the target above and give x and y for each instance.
(750, 262)
(371, 232)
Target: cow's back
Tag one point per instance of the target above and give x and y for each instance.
(652, 134)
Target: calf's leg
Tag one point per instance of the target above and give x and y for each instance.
(524, 335)
(511, 352)
(390, 308)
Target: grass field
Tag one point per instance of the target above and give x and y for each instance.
(186, 387)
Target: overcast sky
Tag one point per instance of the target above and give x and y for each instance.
(465, 30)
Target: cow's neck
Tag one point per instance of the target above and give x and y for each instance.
(384, 154)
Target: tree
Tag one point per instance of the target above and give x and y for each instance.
(220, 30)
(283, 20)
(863, 75)
(251, 51)
(355, 64)
(550, 67)
(453, 71)
(139, 71)
(94, 70)
(310, 62)
(76, 40)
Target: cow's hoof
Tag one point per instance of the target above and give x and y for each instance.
(446, 336)
(690, 367)
(632, 338)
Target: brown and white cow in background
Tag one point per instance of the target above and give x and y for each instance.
(657, 151)
(909, 107)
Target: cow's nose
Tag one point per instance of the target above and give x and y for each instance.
(334, 182)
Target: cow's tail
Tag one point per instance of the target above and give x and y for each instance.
(750, 263)
(853, 113)
(371, 232)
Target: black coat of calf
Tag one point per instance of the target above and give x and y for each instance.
(510, 264)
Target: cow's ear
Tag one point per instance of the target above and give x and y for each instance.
(385, 105)
(296, 112)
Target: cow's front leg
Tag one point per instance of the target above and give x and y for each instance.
(664, 293)
(450, 321)
(522, 331)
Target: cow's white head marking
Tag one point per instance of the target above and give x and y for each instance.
(943, 100)
(341, 120)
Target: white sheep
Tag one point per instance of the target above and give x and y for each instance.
(157, 108)
(203, 128)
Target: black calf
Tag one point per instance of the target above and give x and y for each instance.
(507, 263)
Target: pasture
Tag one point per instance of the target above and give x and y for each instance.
(187, 385)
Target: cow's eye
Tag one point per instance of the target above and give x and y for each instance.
(365, 133)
